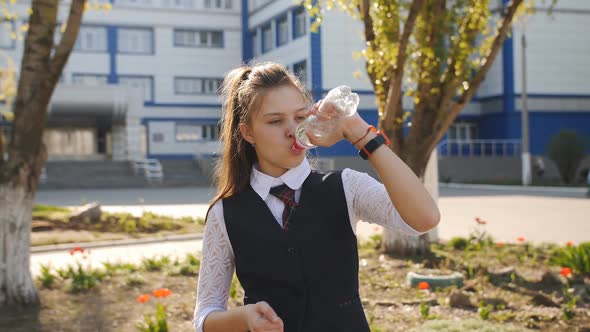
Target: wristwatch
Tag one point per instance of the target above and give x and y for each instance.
(373, 144)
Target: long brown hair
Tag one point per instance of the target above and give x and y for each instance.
(242, 91)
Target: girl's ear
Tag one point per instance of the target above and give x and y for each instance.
(246, 133)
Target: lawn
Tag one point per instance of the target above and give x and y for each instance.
(55, 225)
(508, 287)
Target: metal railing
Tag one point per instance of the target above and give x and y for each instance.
(151, 169)
(480, 148)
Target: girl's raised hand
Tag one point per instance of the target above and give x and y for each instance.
(340, 123)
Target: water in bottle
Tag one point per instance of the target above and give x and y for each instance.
(346, 103)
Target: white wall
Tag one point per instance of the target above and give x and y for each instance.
(170, 146)
(558, 51)
(270, 11)
(341, 36)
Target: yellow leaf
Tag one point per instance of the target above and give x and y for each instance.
(8, 115)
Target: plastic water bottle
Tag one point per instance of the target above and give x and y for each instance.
(346, 102)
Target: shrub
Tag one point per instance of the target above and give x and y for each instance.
(575, 257)
(81, 279)
(458, 243)
(47, 278)
(567, 149)
(155, 264)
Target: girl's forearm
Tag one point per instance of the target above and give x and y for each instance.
(406, 191)
(229, 320)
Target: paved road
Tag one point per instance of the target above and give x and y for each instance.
(133, 253)
(196, 195)
(542, 217)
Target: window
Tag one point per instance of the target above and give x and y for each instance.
(195, 85)
(300, 70)
(186, 132)
(188, 86)
(210, 132)
(218, 4)
(157, 137)
(463, 131)
(145, 83)
(266, 38)
(89, 79)
(135, 40)
(255, 43)
(211, 85)
(91, 39)
(299, 26)
(198, 38)
(135, 2)
(282, 31)
(216, 38)
(182, 4)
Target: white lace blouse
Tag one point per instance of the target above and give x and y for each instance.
(366, 199)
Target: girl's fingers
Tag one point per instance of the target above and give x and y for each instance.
(265, 310)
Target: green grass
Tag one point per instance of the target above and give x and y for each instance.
(50, 212)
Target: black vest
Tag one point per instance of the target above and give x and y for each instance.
(309, 275)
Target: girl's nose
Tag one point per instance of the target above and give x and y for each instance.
(291, 129)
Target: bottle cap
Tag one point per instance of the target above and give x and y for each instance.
(297, 147)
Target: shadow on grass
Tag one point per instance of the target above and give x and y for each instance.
(20, 318)
(63, 312)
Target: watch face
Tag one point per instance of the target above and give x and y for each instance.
(372, 145)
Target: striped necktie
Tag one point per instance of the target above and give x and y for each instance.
(287, 196)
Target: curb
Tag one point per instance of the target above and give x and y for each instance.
(504, 187)
(114, 243)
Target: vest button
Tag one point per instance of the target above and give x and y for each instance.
(291, 251)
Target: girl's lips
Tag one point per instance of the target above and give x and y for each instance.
(295, 151)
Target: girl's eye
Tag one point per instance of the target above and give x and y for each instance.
(275, 121)
(300, 118)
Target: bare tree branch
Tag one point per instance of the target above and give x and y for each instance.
(68, 39)
(448, 117)
(393, 105)
(363, 9)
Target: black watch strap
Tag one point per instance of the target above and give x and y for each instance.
(372, 145)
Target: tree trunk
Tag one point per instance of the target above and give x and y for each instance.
(16, 283)
(399, 244)
(40, 71)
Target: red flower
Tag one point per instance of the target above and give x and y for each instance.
(76, 249)
(162, 292)
(143, 298)
(500, 244)
(423, 285)
(566, 272)
(480, 221)
(569, 243)
(520, 239)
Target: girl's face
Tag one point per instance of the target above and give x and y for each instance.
(272, 129)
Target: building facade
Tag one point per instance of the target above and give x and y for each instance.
(143, 77)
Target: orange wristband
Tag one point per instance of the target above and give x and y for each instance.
(370, 129)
